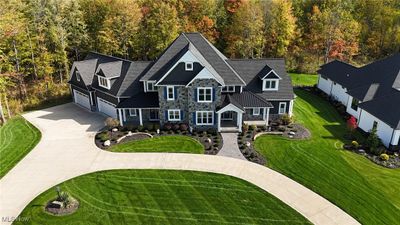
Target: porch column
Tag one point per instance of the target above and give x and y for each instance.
(140, 117)
(219, 121)
(120, 117)
(291, 108)
(267, 116)
(124, 114)
(239, 120)
(264, 112)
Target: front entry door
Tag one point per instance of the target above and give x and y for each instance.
(227, 115)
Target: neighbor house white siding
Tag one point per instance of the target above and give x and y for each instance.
(339, 93)
(384, 131)
(324, 85)
(351, 111)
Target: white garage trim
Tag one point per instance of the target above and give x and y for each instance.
(106, 107)
(81, 99)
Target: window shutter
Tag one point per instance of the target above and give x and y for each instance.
(166, 115)
(194, 118)
(195, 95)
(165, 92)
(181, 114)
(213, 95)
(175, 92)
(215, 118)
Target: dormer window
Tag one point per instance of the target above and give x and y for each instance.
(270, 84)
(151, 86)
(104, 82)
(78, 76)
(189, 66)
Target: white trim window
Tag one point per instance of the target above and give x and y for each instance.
(78, 76)
(104, 82)
(256, 111)
(170, 93)
(270, 84)
(151, 86)
(228, 89)
(189, 66)
(204, 117)
(204, 94)
(282, 108)
(132, 112)
(174, 115)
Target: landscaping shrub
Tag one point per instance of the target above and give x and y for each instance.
(253, 127)
(156, 127)
(373, 141)
(167, 126)
(384, 157)
(103, 136)
(111, 123)
(140, 128)
(175, 127)
(183, 127)
(355, 145)
(245, 127)
(286, 119)
(281, 128)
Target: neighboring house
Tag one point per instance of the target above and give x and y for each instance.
(191, 82)
(370, 93)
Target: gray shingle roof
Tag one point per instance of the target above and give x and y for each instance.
(249, 70)
(249, 99)
(86, 69)
(110, 69)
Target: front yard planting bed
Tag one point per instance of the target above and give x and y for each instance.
(366, 191)
(17, 138)
(163, 197)
(125, 140)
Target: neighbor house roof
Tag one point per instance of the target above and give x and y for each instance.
(376, 85)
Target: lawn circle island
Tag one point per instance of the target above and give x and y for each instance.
(172, 138)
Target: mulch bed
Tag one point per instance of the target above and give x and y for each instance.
(212, 141)
(62, 211)
(300, 132)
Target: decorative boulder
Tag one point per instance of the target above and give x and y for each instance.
(362, 151)
(208, 140)
(129, 133)
(290, 136)
(56, 205)
(158, 131)
(247, 144)
(107, 143)
(114, 130)
(292, 133)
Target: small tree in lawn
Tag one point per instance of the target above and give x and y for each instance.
(352, 125)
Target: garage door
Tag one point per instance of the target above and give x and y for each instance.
(107, 108)
(82, 99)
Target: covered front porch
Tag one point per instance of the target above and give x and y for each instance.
(229, 119)
(138, 116)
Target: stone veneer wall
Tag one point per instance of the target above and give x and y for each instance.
(186, 101)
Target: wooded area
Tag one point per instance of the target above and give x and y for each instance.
(40, 39)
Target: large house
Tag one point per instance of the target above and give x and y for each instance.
(190, 82)
(370, 93)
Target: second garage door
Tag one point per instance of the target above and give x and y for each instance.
(107, 108)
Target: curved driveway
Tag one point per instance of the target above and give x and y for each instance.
(67, 150)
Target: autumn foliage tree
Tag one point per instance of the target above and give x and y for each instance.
(352, 124)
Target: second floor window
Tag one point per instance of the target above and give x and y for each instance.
(228, 89)
(270, 85)
(78, 76)
(150, 86)
(170, 93)
(204, 94)
(189, 66)
(103, 82)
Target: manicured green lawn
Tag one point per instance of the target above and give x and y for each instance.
(17, 138)
(301, 79)
(164, 197)
(366, 191)
(180, 144)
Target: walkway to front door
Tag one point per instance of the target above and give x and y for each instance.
(230, 147)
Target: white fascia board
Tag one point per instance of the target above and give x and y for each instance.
(187, 57)
(272, 71)
(203, 74)
(230, 107)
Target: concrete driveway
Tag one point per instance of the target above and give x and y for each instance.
(67, 150)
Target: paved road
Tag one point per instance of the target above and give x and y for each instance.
(231, 147)
(67, 150)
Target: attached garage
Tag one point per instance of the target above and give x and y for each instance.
(82, 99)
(107, 107)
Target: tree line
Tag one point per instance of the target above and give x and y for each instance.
(39, 39)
